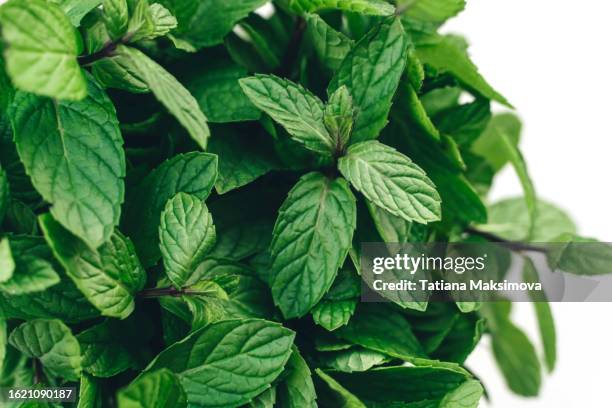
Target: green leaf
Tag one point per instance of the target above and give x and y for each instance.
(75, 10)
(116, 17)
(338, 305)
(171, 93)
(487, 145)
(377, 327)
(163, 21)
(431, 11)
(86, 267)
(119, 258)
(31, 274)
(41, 49)
(444, 55)
(193, 173)
(90, 395)
(243, 158)
(228, 363)
(409, 101)
(297, 389)
(467, 395)
(546, 322)
(581, 256)
(339, 116)
(310, 241)
(509, 219)
(206, 23)
(367, 7)
(372, 72)
(117, 72)
(73, 153)
(20, 218)
(7, 263)
(157, 389)
(186, 234)
(217, 90)
(401, 385)
(392, 229)
(391, 181)
(103, 353)
(266, 399)
(331, 46)
(295, 108)
(514, 353)
(340, 396)
(353, 359)
(52, 342)
(465, 123)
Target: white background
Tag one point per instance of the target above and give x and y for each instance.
(552, 59)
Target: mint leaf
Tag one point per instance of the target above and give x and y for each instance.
(338, 305)
(353, 359)
(228, 363)
(186, 234)
(158, 389)
(444, 55)
(116, 17)
(391, 181)
(487, 146)
(331, 46)
(103, 354)
(179, 102)
(41, 49)
(546, 322)
(218, 92)
(4, 194)
(371, 72)
(206, 23)
(377, 327)
(7, 263)
(467, 395)
(193, 173)
(266, 399)
(431, 11)
(339, 116)
(108, 293)
(339, 396)
(32, 274)
(163, 21)
(295, 108)
(89, 392)
(51, 342)
(367, 7)
(77, 163)
(580, 256)
(297, 390)
(310, 241)
(75, 10)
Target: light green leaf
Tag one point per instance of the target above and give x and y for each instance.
(119, 258)
(339, 116)
(391, 181)
(193, 173)
(117, 72)
(341, 397)
(86, 268)
(7, 263)
(338, 305)
(487, 145)
(243, 158)
(297, 389)
(444, 55)
(216, 88)
(310, 241)
(186, 234)
(299, 111)
(228, 363)
(372, 72)
(514, 353)
(207, 22)
(546, 322)
(3, 340)
(353, 359)
(163, 21)
(366, 7)
(331, 46)
(141, 23)
(392, 229)
(431, 11)
(116, 17)
(90, 395)
(580, 255)
(41, 47)
(467, 395)
(171, 93)
(103, 353)
(379, 328)
(75, 10)
(509, 219)
(157, 389)
(32, 274)
(73, 153)
(266, 399)
(410, 102)
(52, 342)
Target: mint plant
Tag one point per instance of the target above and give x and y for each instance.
(185, 186)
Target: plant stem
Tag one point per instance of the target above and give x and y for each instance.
(512, 245)
(107, 50)
(37, 371)
(151, 293)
